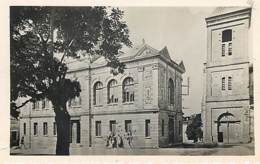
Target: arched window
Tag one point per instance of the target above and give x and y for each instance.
(98, 94)
(128, 90)
(111, 91)
(171, 92)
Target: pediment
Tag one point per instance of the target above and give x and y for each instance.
(146, 51)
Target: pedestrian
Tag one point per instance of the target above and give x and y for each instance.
(22, 143)
(130, 139)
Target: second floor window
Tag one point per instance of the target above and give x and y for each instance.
(227, 42)
(128, 90)
(75, 101)
(171, 92)
(229, 48)
(98, 94)
(229, 83)
(223, 83)
(112, 92)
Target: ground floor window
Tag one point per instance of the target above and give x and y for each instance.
(54, 128)
(128, 126)
(162, 127)
(147, 128)
(112, 127)
(98, 128)
(35, 128)
(45, 128)
(75, 131)
(24, 128)
(180, 128)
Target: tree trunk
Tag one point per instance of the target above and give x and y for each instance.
(62, 119)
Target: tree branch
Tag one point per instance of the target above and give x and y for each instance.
(24, 103)
(64, 54)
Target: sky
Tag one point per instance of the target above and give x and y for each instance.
(183, 31)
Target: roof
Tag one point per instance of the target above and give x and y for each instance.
(138, 52)
(225, 10)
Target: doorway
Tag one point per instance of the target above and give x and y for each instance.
(171, 130)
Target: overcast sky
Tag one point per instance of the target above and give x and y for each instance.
(183, 31)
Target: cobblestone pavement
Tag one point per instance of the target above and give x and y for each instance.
(242, 149)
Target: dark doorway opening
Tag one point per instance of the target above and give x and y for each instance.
(171, 130)
(220, 136)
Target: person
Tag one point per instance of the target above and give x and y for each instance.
(22, 143)
(114, 141)
(120, 142)
(130, 139)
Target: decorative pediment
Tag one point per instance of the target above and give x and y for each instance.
(164, 52)
(145, 51)
(182, 65)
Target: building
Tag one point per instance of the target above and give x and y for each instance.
(227, 116)
(145, 100)
(14, 132)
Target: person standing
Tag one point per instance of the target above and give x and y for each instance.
(22, 143)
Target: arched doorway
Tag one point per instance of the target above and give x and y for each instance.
(228, 128)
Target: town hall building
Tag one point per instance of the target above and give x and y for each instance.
(228, 77)
(146, 101)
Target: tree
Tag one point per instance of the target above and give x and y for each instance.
(193, 130)
(40, 40)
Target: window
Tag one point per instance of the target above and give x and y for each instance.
(98, 93)
(162, 127)
(45, 128)
(24, 128)
(180, 128)
(33, 105)
(43, 104)
(171, 92)
(37, 105)
(227, 42)
(75, 131)
(223, 83)
(229, 83)
(128, 90)
(98, 128)
(229, 48)
(54, 129)
(128, 126)
(223, 49)
(227, 35)
(112, 127)
(112, 96)
(35, 128)
(75, 101)
(147, 128)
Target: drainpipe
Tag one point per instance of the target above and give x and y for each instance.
(90, 120)
(30, 130)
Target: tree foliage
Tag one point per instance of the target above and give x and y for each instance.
(40, 40)
(39, 33)
(193, 130)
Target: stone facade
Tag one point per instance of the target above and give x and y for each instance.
(147, 104)
(226, 112)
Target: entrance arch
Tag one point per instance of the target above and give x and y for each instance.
(228, 128)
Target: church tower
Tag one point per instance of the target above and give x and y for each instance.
(226, 110)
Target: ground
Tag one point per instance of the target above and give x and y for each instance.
(239, 149)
